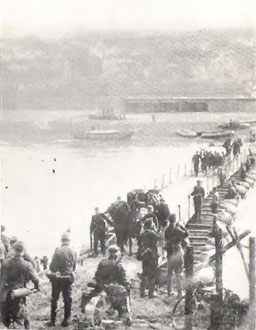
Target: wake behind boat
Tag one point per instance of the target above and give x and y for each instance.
(105, 135)
(186, 133)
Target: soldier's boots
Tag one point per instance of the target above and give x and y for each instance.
(65, 322)
(51, 323)
(142, 294)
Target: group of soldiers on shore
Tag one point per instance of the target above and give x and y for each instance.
(204, 160)
(155, 227)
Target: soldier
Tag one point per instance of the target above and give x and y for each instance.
(198, 197)
(232, 193)
(62, 266)
(110, 271)
(174, 235)
(196, 160)
(5, 240)
(222, 177)
(215, 200)
(150, 215)
(149, 239)
(162, 213)
(16, 273)
(11, 252)
(99, 230)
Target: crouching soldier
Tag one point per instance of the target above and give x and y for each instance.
(149, 239)
(174, 236)
(15, 274)
(62, 267)
(111, 277)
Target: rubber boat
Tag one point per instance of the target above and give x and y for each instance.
(105, 135)
(186, 133)
(216, 135)
(234, 125)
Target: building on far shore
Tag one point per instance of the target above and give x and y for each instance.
(137, 104)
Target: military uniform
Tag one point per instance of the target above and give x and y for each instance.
(64, 262)
(149, 239)
(26, 256)
(174, 236)
(162, 213)
(198, 197)
(99, 229)
(110, 272)
(196, 160)
(15, 274)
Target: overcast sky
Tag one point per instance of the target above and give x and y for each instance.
(49, 18)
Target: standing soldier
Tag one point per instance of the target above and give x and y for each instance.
(198, 197)
(215, 200)
(99, 230)
(149, 240)
(12, 251)
(162, 213)
(5, 240)
(222, 177)
(174, 235)
(16, 273)
(62, 266)
(150, 215)
(196, 160)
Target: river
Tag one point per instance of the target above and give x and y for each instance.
(38, 205)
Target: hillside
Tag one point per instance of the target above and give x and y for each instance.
(87, 71)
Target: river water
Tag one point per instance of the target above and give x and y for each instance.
(38, 205)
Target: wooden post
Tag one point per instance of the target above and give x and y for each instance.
(170, 176)
(252, 293)
(178, 171)
(163, 181)
(179, 212)
(189, 263)
(212, 178)
(218, 261)
(185, 169)
(216, 309)
(188, 207)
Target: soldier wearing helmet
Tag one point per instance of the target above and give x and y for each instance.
(15, 274)
(110, 272)
(149, 239)
(174, 236)
(62, 266)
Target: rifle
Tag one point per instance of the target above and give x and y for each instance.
(22, 292)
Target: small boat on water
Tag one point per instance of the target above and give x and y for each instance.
(186, 133)
(105, 135)
(107, 115)
(234, 125)
(249, 121)
(216, 135)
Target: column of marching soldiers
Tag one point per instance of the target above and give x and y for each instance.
(145, 217)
